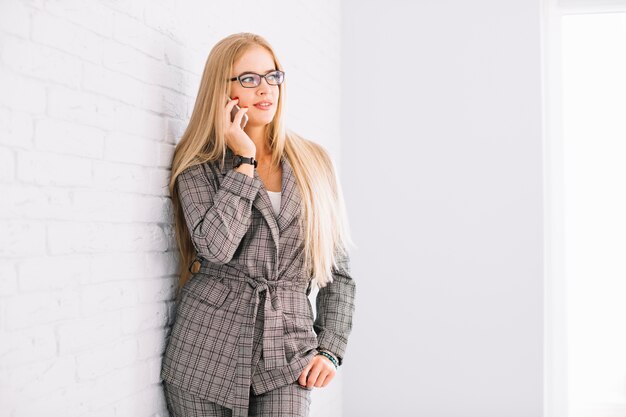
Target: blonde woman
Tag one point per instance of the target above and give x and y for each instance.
(260, 218)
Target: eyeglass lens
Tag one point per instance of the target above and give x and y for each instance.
(252, 80)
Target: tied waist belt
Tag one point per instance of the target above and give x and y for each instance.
(273, 326)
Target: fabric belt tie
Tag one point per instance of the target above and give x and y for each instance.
(273, 326)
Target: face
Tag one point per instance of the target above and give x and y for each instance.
(259, 60)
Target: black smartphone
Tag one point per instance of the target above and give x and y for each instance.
(234, 111)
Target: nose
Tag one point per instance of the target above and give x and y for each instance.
(264, 86)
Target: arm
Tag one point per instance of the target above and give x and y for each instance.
(335, 308)
(217, 221)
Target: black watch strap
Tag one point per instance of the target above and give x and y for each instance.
(244, 160)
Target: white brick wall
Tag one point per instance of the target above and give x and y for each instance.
(93, 98)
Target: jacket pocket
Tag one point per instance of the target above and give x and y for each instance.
(300, 320)
(300, 336)
(207, 289)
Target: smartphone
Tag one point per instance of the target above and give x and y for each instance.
(234, 111)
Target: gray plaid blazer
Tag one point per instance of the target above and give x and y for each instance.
(250, 260)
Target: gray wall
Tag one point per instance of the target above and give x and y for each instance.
(442, 169)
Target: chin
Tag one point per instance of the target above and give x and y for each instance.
(261, 121)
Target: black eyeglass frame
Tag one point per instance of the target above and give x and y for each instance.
(260, 78)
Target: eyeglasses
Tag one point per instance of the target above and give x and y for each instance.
(252, 79)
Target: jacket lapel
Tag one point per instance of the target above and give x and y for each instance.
(289, 202)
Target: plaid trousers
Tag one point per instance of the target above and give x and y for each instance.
(287, 401)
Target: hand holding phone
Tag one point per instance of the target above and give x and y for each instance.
(236, 138)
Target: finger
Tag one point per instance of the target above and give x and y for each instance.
(315, 371)
(303, 375)
(229, 107)
(231, 102)
(302, 378)
(326, 376)
(329, 377)
(321, 379)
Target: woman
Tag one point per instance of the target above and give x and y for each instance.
(259, 218)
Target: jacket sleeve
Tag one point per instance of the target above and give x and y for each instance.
(335, 308)
(217, 220)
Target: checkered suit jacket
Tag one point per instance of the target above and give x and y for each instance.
(252, 262)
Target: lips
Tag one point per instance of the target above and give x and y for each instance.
(260, 105)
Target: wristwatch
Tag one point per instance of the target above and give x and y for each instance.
(244, 160)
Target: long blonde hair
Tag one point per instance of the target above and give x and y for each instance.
(324, 218)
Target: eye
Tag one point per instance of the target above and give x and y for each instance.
(247, 79)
